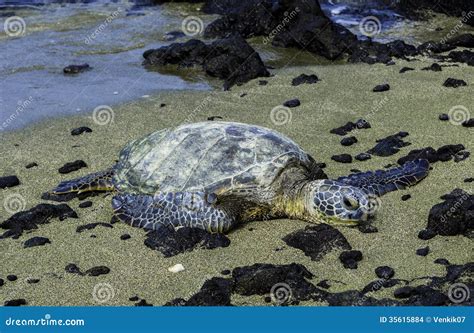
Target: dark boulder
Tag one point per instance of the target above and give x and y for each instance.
(231, 59)
(9, 181)
(390, 145)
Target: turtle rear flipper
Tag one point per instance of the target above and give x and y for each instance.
(98, 181)
(383, 181)
(176, 209)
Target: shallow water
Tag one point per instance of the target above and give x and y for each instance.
(110, 37)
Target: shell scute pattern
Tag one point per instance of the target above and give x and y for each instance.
(208, 157)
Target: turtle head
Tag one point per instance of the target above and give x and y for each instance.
(338, 203)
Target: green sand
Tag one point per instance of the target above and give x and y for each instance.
(345, 93)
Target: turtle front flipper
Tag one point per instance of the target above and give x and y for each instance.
(99, 181)
(383, 181)
(178, 209)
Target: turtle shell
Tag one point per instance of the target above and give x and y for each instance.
(213, 157)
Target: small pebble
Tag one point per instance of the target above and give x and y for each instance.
(468, 123)
(426, 234)
(350, 258)
(15, 302)
(403, 292)
(2, 282)
(454, 83)
(225, 272)
(134, 298)
(212, 118)
(441, 261)
(381, 88)
(12, 277)
(349, 141)
(363, 157)
(72, 166)
(423, 251)
(406, 69)
(125, 237)
(31, 165)
(32, 280)
(72, 268)
(367, 228)
(9, 181)
(98, 270)
(342, 158)
(36, 241)
(443, 117)
(263, 82)
(405, 197)
(292, 103)
(384, 272)
(80, 130)
(176, 268)
(85, 204)
(469, 180)
(143, 303)
(162, 105)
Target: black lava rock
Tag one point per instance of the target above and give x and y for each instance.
(304, 79)
(350, 258)
(464, 56)
(125, 237)
(315, 241)
(349, 141)
(72, 166)
(405, 197)
(134, 298)
(342, 158)
(72, 268)
(214, 292)
(231, 59)
(91, 226)
(464, 40)
(443, 117)
(454, 216)
(30, 219)
(309, 29)
(32, 280)
(15, 302)
(76, 69)
(454, 83)
(9, 181)
(259, 279)
(36, 241)
(434, 67)
(367, 228)
(171, 242)
(292, 103)
(31, 165)
(12, 277)
(423, 251)
(384, 272)
(262, 82)
(363, 157)
(403, 292)
(226, 272)
(143, 302)
(85, 204)
(212, 118)
(343, 130)
(2, 282)
(468, 123)
(406, 69)
(97, 270)
(390, 145)
(381, 87)
(444, 153)
(80, 130)
(469, 180)
(441, 261)
(426, 234)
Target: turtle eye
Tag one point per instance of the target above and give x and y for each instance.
(350, 203)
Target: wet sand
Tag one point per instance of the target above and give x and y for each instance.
(413, 104)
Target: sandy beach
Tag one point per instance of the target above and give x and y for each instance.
(413, 104)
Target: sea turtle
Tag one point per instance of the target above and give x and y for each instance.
(215, 175)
